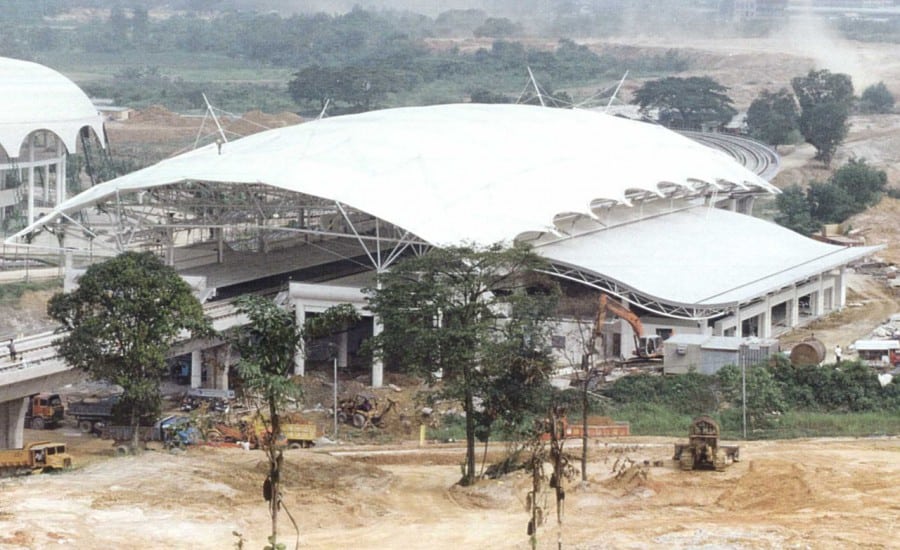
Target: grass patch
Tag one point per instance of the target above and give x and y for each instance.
(794, 424)
(652, 419)
(452, 428)
(13, 292)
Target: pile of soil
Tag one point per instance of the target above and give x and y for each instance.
(879, 226)
(772, 485)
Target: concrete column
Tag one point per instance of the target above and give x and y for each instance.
(794, 310)
(738, 322)
(840, 287)
(45, 187)
(30, 179)
(12, 423)
(342, 350)
(299, 358)
(220, 242)
(377, 365)
(765, 322)
(196, 369)
(220, 367)
(820, 297)
(60, 173)
(224, 366)
(170, 246)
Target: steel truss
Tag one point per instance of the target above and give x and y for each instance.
(649, 303)
(241, 216)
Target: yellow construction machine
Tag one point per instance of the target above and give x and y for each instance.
(703, 451)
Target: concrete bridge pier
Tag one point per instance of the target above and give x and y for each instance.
(196, 368)
(12, 423)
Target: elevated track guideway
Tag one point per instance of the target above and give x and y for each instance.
(755, 156)
(37, 357)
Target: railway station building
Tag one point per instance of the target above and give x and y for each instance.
(657, 221)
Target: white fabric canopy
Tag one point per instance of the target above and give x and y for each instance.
(35, 97)
(702, 256)
(453, 173)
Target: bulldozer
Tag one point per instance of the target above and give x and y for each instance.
(702, 451)
(363, 411)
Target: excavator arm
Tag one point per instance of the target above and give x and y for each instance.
(611, 307)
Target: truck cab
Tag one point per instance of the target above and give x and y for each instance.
(45, 410)
(49, 456)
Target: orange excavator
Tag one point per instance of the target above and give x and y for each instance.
(647, 349)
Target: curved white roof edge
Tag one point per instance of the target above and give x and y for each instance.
(740, 257)
(453, 173)
(35, 97)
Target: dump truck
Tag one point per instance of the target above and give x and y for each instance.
(294, 435)
(171, 431)
(298, 435)
(703, 451)
(35, 457)
(92, 414)
(45, 410)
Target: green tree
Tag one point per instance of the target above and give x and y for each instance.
(121, 320)
(863, 183)
(497, 27)
(829, 203)
(772, 117)
(764, 395)
(825, 100)
(517, 362)
(686, 102)
(794, 211)
(462, 311)
(267, 349)
(876, 99)
(314, 83)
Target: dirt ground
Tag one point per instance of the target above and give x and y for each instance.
(822, 493)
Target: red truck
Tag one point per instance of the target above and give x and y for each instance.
(45, 410)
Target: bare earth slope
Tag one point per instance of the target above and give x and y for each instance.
(804, 494)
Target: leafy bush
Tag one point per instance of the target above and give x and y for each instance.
(764, 395)
(691, 393)
(876, 99)
(852, 188)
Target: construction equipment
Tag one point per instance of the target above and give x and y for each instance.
(34, 458)
(810, 351)
(92, 414)
(702, 451)
(297, 435)
(363, 411)
(646, 348)
(171, 431)
(45, 410)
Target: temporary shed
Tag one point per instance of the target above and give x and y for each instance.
(707, 354)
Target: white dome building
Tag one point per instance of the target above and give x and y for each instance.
(42, 118)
